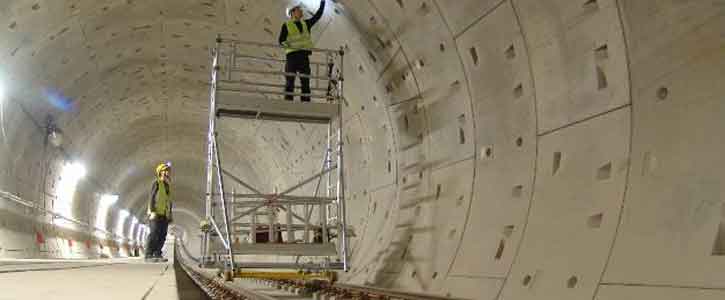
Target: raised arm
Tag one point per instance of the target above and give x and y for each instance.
(318, 15)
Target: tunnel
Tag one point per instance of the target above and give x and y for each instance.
(494, 149)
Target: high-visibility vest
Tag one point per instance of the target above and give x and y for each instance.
(162, 200)
(297, 40)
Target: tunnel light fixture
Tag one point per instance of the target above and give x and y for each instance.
(104, 204)
(122, 215)
(70, 174)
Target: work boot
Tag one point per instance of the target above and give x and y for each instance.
(161, 259)
(151, 260)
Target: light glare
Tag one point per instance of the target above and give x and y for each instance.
(104, 204)
(69, 177)
(122, 215)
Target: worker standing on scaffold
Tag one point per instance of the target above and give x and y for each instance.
(296, 39)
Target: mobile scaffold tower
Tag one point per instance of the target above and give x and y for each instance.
(245, 85)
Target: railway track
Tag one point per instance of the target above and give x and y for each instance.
(213, 283)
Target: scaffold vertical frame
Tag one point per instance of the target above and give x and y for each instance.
(255, 99)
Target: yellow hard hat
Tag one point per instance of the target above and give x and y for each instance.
(162, 167)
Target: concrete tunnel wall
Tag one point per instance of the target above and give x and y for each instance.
(518, 149)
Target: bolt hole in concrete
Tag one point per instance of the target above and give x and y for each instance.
(438, 191)
(517, 191)
(459, 202)
(527, 280)
(435, 274)
(461, 136)
(442, 47)
(372, 57)
(602, 52)
(488, 152)
(400, 3)
(557, 163)
(510, 52)
(605, 172)
(508, 230)
(662, 93)
(591, 4)
(572, 282)
(601, 79)
(595, 221)
(519, 142)
(499, 251)
(474, 55)
(519, 91)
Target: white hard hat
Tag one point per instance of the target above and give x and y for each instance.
(292, 7)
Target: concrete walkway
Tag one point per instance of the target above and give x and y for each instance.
(114, 279)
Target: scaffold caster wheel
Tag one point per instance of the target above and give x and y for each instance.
(228, 276)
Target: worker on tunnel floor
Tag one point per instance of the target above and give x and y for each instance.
(296, 39)
(159, 213)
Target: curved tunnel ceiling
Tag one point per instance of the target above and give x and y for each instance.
(517, 149)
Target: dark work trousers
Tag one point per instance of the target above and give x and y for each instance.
(157, 236)
(297, 62)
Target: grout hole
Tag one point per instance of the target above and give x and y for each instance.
(601, 79)
(510, 52)
(474, 55)
(517, 191)
(461, 136)
(442, 47)
(519, 141)
(499, 251)
(605, 172)
(412, 274)
(438, 191)
(557, 163)
(390, 167)
(400, 3)
(595, 221)
(571, 283)
(435, 274)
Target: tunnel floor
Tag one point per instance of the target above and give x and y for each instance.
(110, 279)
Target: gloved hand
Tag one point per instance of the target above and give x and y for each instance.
(152, 216)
